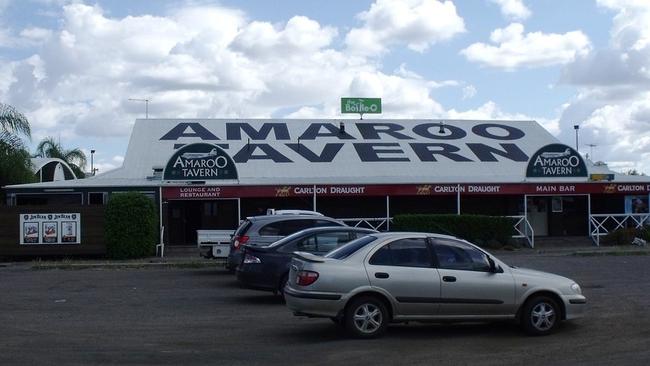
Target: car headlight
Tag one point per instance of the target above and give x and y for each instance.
(576, 288)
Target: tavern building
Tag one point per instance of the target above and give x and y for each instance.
(208, 174)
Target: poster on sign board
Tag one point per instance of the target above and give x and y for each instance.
(636, 204)
(49, 228)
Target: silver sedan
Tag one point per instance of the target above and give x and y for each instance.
(400, 277)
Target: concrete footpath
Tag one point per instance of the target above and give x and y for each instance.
(187, 260)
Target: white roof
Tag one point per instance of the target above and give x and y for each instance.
(146, 150)
(474, 151)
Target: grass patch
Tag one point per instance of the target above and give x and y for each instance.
(67, 264)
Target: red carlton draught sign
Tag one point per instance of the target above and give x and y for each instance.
(213, 192)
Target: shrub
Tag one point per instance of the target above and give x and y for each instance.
(131, 226)
(485, 231)
(625, 236)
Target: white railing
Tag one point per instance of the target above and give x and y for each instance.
(375, 223)
(523, 229)
(603, 224)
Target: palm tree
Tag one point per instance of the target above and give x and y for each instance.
(12, 121)
(75, 158)
(15, 165)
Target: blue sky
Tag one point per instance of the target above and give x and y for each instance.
(71, 66)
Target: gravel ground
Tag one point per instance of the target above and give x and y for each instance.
(201, 316)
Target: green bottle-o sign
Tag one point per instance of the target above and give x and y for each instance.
(361, 105)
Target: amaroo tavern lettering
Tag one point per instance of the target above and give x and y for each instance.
(201, 167)
(371, 141)
(200, 161)
(556, 160)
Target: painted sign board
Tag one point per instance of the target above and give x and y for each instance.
(361, 105)
(554, 161)
(50, 228)
(200, 162)
(425, 189)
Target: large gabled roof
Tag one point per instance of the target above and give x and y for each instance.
(281, 151)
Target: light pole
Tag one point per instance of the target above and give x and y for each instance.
(591, 150)
(146, 105)
(576, 127)
(92, 161)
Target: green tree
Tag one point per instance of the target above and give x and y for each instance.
(75, 158)
(15, 164)
(131, 226)
(13, 122)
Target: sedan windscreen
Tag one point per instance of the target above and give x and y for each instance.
(350, 248)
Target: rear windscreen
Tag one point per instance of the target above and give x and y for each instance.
(351, 247)
(241, 230)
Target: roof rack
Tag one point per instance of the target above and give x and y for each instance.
(272, 211)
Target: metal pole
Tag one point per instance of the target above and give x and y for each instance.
(458, 200)
(525, 215)
(314, 203)
(589, 216)
(160, 218)
(146, 108)
(387, 213)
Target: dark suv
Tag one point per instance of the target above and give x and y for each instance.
(264, 230)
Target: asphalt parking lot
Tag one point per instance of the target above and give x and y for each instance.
(201, 316)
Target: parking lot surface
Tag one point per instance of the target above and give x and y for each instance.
(201, 316)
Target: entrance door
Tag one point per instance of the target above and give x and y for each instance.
(184, 218)
(537, 207)
(558, 215)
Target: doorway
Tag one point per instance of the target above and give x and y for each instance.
(184, 218)
(558, 215)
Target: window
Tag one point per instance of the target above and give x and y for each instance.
(307, 244)
(320, 223)
(97, 198)
(285, 227)
(350, 248)
(210, 208)
(454, 254)
(318, 243)
(327, 242)
(412, 252)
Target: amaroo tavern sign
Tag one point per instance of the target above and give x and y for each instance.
(428, 141)
(200, 161)
(556, 160)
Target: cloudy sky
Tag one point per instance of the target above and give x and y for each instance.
(71, 66)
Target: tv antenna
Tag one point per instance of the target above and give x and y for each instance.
(146, 105)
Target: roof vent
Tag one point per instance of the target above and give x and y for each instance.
(157, 172)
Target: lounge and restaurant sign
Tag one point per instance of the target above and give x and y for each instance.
(200, 161)
(556, 160)
(50, 228)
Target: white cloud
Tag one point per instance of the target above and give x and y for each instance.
(415, 23)
(491, 111)
(513, 49)
(469, 92)
(613, 103)
(300, 35)
(513, 9)
(205, 61)
(36, 34)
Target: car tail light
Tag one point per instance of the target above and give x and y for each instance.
(306, 278)
(251, 259)
(240, 240)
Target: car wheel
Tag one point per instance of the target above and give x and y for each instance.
(366, 317)
(540, 316)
